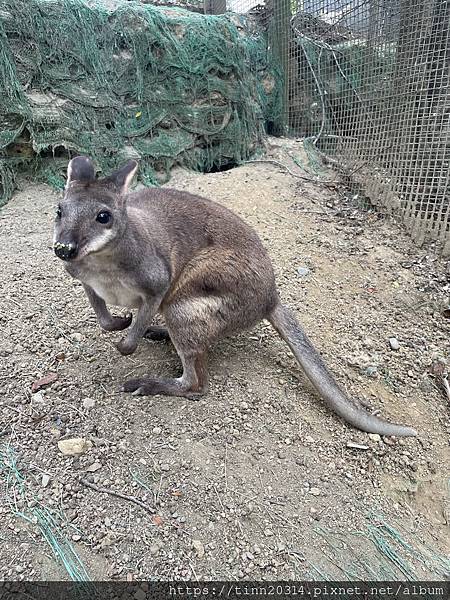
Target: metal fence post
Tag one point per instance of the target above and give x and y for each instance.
(215, 7)
(280, 40)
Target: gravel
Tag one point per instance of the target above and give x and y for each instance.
(257, 468)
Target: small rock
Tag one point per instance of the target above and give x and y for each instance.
(302, 271)
(165, 467)
(268, 532)
(76, 537)
(154, 549)
(371, 371)
(94, 467)
(38, 398)
(19, 569)
(375, 437)
(157, 430)
(45, 480)
(74, 446)
(77, 337)
(315, 491)
(71, 514)
(199, 548)
(389, 441)
(140, 595)
(88, 403)
(394, 343)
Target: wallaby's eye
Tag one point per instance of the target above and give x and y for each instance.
(104, 217)
(58, 212)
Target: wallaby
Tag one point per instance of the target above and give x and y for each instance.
(190, 259)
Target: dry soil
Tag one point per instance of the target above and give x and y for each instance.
(257, 479)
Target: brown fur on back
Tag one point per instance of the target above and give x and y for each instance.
(213, 253)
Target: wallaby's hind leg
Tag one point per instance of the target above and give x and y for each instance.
(157, 333)
(192, 384)
(194, 324)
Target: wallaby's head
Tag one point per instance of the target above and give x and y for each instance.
(92, 214)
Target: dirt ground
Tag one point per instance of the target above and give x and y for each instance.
(257, 480)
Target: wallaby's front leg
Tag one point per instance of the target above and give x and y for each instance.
(106, 320)
(146, 312)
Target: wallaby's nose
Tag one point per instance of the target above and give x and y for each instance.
(65, 251)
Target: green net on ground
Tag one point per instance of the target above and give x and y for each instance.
(50, 523)
(118, 80)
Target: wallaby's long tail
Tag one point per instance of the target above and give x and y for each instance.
(289, 329)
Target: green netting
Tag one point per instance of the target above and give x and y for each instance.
(128, 80)
(48, 522)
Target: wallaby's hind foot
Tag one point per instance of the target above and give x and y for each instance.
(154, 386)
(192, 384)
(157, 334)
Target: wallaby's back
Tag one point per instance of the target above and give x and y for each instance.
(200, 234)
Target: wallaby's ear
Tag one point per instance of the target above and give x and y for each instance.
(81, 169)
(122, 178)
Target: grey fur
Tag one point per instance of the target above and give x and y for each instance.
(193, 261)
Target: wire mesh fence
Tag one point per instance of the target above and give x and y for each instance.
(367, 85)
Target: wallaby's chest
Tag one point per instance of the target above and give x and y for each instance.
(116, 287)
(115, 291)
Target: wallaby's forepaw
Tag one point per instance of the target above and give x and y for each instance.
(126, 346)
(117, 323)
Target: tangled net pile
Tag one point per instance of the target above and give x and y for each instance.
(119, 80)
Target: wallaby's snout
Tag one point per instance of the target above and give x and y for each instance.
(65, 250)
